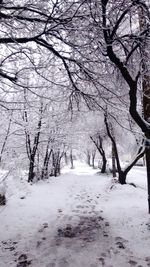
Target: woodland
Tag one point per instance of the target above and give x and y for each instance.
(74, 87)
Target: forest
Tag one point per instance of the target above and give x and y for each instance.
(75, 133)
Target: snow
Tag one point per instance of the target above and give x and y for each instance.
(2, 190)
(78, 219)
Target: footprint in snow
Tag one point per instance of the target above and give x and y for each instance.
(9, 245)
(60, 210)
(120, 242)
(102, 261)
(79, 207)
(63, 262)
(105, 234)
(132, 263)
(44, 226)
(147, 259)
(23, 261)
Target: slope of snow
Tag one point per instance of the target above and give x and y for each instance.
(78, 219)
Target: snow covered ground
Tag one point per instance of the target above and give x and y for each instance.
(75, 220)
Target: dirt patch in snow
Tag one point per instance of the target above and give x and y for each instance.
(85, 230)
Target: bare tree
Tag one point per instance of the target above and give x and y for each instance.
(6, 137)
(98, 141)
(129, 42)
(122, 173)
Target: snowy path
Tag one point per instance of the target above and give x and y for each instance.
(76, 220)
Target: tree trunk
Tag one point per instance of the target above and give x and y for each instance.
(66, 158)
(113, 162)
(132, 81)
(98, 141)
(46, 162)
(93, 159)
(38, 166)
(122, 177)
(115, 149)
(146, 107)
(71, 160)
(31, 169)
(123, 173)
(148, 175)
(103, 169)
(146, 97)
(32, 152)
(88, 155)
(56, 163)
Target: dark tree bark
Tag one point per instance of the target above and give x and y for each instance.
(46, 161)
(31, 168)
(146, 96)
(143, 34)
(93, 158)
(56, 163)
(122, 173)
(38, 174)
(103, 169)
(88, 155)
(34, 148)
(109, 35)
(113, 161)
(71, 160)
(98, 141)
